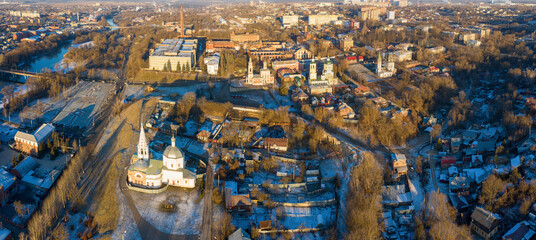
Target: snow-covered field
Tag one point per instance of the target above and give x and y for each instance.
(185, 220)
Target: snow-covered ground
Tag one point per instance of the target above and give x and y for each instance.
(185, 220)
(417, 192)
(283, 100)
(126, 226)
(198, 148)
(75, 225)
(294, 217)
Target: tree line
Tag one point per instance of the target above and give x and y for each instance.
(62, 192)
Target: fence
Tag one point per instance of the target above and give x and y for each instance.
(147, 190)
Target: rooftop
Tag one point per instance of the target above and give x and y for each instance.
(175, 47)
(6, 180)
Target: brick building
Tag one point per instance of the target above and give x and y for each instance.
(30, 143)
(293, 65)
(242, 38)
(217, 46)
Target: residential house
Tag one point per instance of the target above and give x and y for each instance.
(484, 223)
(239, 234)
(279, 144)
(447, 161)
(396, 196)
(455, 143)
(351, 59)
(298, 95)
(460, 185)
(521, 231)
(235, 202)
(212, 64)
(7, 185)
(400, 165)
(362, 90)
(345, 111)
(205, 131)
(461, 202)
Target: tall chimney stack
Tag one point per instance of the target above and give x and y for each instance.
(182, 23)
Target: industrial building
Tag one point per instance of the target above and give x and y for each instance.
(173, 55)
(322, 19)
(290, 21)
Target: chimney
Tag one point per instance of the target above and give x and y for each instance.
(182, 23)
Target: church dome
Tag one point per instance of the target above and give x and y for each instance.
(141, 164)
(173, 152)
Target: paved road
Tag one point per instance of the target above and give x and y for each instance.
(207, 212)
(147, 231)
(432, 168)
(432, 165)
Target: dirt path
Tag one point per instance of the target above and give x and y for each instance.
(207, 212)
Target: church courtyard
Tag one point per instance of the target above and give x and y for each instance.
(184, 220)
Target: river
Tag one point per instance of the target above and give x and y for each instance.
(47, 60)
(111, 22)
(51, 59)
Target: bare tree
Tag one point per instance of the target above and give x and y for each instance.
(436, 131)
(19, 208)
(60, 233)
(225, 227)
(23, 236)
(490, 188)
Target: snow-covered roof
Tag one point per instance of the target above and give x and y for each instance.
(239, 234)
(4, 233)
(515, 162)
(38, 136)
(520, 231)
(233, 186)
(398, 156)
(43, 182)
(6, 179)
(26, 166)
(43, 132)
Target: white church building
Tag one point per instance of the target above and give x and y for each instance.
(148, 172)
